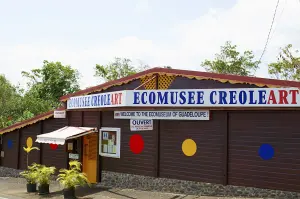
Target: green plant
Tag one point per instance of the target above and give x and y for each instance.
(70, 178)
(44, 174)
(31, 174)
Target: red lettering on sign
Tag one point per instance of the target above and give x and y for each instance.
(283, 97)
(120, 98)
(272, 97)
(294, 96)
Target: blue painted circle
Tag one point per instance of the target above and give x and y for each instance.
(266, 151)
(9, 144)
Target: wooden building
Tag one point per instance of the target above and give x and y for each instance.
(254, 145)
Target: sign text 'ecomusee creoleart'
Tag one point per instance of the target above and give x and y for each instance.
(241, 97)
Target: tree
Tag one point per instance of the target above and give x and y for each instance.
(287, 66)
(230, 61)
(120, 67)
(12, 106)
(52, 81)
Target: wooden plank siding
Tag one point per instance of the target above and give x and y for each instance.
(186, 83)
(141, 164)
(247, 131)
(34, 156)
(10, 158)
(58, 156)
(207, 164)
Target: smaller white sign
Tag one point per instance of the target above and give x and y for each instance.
(141, 125)
(60, 114)
(74, 156)
(163, 115)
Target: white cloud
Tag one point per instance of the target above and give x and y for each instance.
(142, 7)
(245, 24)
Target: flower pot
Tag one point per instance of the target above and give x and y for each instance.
(69, 193)
(31, 188)
(43, 189)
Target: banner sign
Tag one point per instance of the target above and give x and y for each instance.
(141, 125)
(163, 115)
(240, 97)
(244, 97)
(101, 100)
(60, 114)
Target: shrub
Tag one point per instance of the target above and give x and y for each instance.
(31, 174)
(70, 178)
(44, 174)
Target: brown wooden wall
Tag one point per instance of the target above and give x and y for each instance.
(207, 163)
(247, 131)
(10, 158)
(75, 118)
(58, 156)
(34, 156)
(141, 164)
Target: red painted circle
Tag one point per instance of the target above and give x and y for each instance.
(53, 146)
(136, 143)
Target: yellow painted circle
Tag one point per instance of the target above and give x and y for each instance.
(29, 142)
(189, 147)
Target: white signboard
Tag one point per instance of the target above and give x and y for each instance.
(235, 97)
(60, 114)
(100, 100)
(74, 156)
(163, 115)
(141, 125)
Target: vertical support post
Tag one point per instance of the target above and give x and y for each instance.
(41, 145)
(20, 147)
(225, 149)
(69, 114)
(1, 143)
(157, 136)
(99, 158)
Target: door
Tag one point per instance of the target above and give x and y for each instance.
(89, 160)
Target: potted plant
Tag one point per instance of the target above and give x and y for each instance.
(72, 177)
(43, 179)
(31, 175)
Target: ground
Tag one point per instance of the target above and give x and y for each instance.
(15, 188)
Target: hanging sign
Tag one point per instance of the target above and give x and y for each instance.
(60, 114)
(163, 115)
(101, 100)
(141, 125)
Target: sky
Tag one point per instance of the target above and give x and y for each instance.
(181, 34)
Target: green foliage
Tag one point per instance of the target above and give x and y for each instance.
(70, 178)
(120, 67)
(230, 61)
(52, 81)
(12, 108)
(44, 174)
(31, 174)
(287, 66)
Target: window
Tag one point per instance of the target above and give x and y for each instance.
(110, 142)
